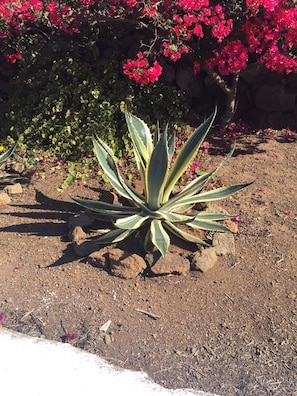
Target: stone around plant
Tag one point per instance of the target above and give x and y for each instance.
(231, 225)
(223, 243)
(204, 260)
(77, 234)
(125, 265)
(99, 258)
(4, 199)
(14, 189)
(19, 167)
(170, 264)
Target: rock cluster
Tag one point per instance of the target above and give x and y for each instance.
(121, 260)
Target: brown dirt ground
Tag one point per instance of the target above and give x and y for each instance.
(231, 331)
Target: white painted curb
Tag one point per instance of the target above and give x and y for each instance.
(36, 367)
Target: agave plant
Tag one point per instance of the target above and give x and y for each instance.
(158, 209)
(3, 158)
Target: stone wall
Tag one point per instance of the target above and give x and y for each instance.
(265, 98)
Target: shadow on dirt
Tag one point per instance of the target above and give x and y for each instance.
(53, 215)
(220, 144)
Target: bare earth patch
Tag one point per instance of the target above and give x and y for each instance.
(231, 330)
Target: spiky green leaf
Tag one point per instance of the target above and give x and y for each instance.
(132, 222)
(159, 236)
(105, 208)
(213, 216)
(157, 134)
(171, 145)
(109, 166)
(141, 137)
(213, 195)
(156, 173)
(184, 234)
(197, 184)
(208, 225)
(175, 217)
(113, 236)
(187, 154)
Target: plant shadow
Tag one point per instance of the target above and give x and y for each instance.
(51, 215)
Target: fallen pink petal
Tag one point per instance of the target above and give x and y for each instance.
(2, 318)
(70, 337)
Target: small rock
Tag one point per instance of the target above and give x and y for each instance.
(231, 225)
(125, 265)
(19, 167)
(99, 258)
(4, 199)
(204, 260)
(292, 296)
(170, 264)
(77, 234)
(215, 208)
(81, 219)
(107, 339)
(14, 189)
(223, 243)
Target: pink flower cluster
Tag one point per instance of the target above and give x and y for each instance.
(18, 14)
(273, 36)
(232, 58)
(187, 25)
(15, 11)
(12, 58)
(267, 30)
(140, 70)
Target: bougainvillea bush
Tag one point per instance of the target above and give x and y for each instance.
(219, 35)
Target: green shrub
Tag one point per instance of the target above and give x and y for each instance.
(65, 91)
